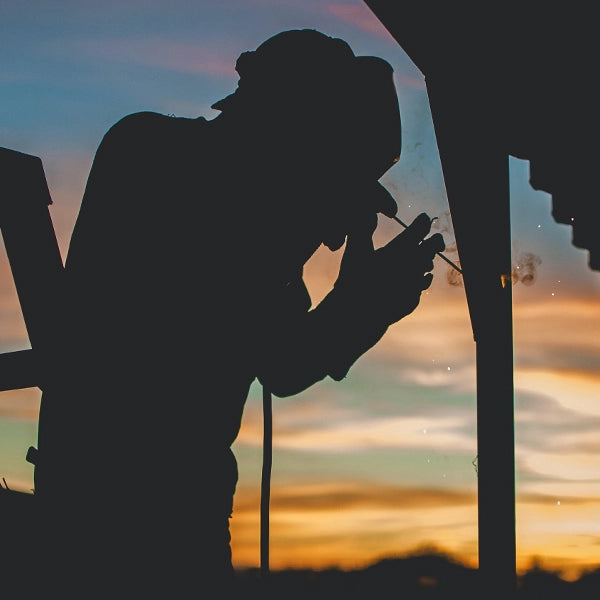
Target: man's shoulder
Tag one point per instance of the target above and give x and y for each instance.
(147, 127)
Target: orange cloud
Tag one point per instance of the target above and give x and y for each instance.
(345, 495)
(348, 525)
(351, 525)
(576, 390)
(20, 404)
(561, 533)
(12, 326)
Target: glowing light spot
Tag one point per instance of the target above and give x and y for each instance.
(558, 503)
(448, 368)
(424, 430)
(553, 293)
(539, 226)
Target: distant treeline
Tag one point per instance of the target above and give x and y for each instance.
(426, 574)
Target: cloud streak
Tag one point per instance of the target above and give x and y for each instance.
(335, 435)
(349, 524)
(173, 55)
(345, 496)
(20, 404)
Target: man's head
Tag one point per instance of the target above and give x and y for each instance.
(324, 114)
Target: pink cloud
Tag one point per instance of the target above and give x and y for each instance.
(360, 16)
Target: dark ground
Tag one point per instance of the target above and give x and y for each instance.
(423, 575)
(420, 576)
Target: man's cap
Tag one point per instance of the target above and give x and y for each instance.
(290, 59)
(311, 73)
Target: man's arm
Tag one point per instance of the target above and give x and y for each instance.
(375, 288)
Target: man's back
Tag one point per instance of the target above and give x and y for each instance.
(135, 432)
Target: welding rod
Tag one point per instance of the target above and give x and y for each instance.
(438, 253)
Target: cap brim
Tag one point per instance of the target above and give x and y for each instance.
(224, 103)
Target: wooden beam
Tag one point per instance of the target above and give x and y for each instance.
(33, 254)
(18, 370)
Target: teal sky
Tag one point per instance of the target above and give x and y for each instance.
(383, 461)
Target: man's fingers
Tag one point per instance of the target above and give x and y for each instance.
(427, 251)
(413, 234)
(433, 244)
(427, 279)
(419, 228)
(408, 240)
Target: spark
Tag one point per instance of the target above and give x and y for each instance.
(558, 503)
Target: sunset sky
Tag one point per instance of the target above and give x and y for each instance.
(383, 462)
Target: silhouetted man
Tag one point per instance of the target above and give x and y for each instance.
(184, 279)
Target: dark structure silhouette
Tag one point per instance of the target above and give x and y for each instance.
(182, 285)
(495, 81)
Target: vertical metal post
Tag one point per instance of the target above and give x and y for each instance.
(495, 400)
(475, 165)
(265, 496)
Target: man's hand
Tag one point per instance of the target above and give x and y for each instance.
(389, 280)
